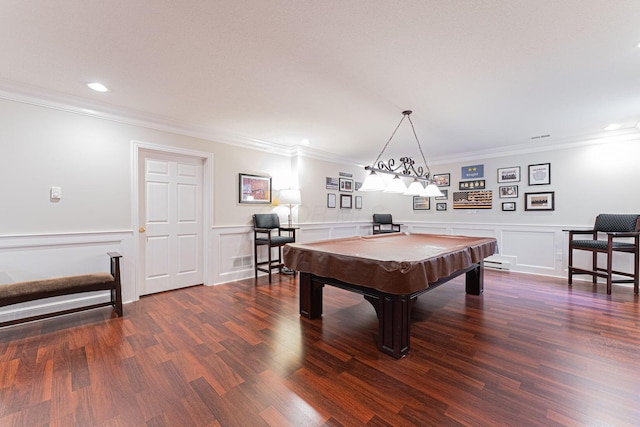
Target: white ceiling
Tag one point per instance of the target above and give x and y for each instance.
(478, 74)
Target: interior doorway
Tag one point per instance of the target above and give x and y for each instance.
(171, 218)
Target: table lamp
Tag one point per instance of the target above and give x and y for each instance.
(289, 197)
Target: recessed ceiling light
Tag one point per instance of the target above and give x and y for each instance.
(613, 126)
(305, 142)
(98, 87)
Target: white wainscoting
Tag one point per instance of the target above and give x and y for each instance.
(30, 257)
(533, 249)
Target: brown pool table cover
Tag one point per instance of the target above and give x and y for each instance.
(398, 263)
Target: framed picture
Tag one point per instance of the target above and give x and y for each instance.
(511, 174)
(508, 206)
(331, 183)
(345, 201)
(508, 191)
(442, 179)
(331, 200)
(542, 201)
(477, 184)
(346, 184)
(420, 203)
(540, 174)
(445, 195)
(473, 199)
(472, 172)
(441, 206)
(254, 189)
(358, 202)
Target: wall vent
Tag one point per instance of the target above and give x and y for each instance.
(242, 261)
(497, 264)
(540, 136)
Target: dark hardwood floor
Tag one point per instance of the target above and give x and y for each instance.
(529, 352)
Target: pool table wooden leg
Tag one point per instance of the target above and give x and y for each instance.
(394, 321)
(310, 297)
(474, 283)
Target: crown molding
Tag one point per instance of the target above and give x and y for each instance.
(76, 105)
(607, 137)
(45, 98)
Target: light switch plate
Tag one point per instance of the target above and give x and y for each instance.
(55, 193)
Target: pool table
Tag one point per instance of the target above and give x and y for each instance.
(390, 270)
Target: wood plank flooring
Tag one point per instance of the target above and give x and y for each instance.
(529, 352)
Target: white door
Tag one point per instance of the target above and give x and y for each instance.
(171, 213)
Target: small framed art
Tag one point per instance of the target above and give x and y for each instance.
(441, 206)
(345, 201)
(421, 203)
(477, 184)
(331, 183)
(542, 201)
(254, 189)
(445, 195)
(540, 174)
(358, 202)
(331, 200)
(508, 206)
(508, 191)
(442, 179)
(511, 174)
(346, 184)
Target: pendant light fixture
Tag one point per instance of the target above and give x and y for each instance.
(406, 169)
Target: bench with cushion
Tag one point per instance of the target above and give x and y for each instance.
(32, 290)
(622, 235)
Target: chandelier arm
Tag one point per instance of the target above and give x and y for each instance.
(392, 135)
(419, 146)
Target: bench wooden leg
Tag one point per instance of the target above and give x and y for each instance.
(116, 293)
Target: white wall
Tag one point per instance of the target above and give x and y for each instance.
(90, 158)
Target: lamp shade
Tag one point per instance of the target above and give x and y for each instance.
(289, 197)
(414, 189)
(396, 185)
(373, 182)
(432, 190)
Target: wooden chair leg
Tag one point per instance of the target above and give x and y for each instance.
(255, 260)
(269, 265)
(570, 272)
(594, 263)
(636, 270)
(609, 269)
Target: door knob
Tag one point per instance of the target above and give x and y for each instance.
(142, 230)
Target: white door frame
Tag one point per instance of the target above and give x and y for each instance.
(207, 203)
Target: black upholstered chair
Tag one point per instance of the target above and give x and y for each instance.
(622, 235)
(267, 232)
(383, 223)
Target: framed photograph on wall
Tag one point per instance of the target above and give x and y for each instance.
(508, 191)
(346, 184)
(442, 179)
(477, 184)
(542, 201)
(421, 203)
(358, 202)
(331, 200)
(511, 174)
(445, 195)
(508, 206)
(345, 201)
(540, 174)
(331, 183)
(441, 206)
(254, 189)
